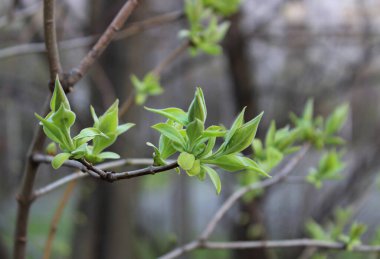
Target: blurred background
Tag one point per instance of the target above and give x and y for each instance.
(277, 54)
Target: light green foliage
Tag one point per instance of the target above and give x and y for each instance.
(185, 132)
(149, 86)
(204, 31)
(223, 7)
(318, 132)
(354, 235)
(58, 122)
(335, 229)
(278, 143)
(329, 167)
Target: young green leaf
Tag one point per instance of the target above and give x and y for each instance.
(235, 162)
(59, 159)
(336, 120)
(194, 130)
(59, 97)
(170, 132)
(175, 114)
(214, 178)
(243, 136)
(197, 108)
(123, 128)
(108, 155)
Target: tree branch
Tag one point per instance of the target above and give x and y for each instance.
(39, 158)
(280, 176)
(133, 29)
(170, 58)
(157, 72)
(201, 242)
(25, 196)
(51, 39)
(267, 244)
(104, 40)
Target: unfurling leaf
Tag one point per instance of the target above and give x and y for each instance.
(214, 178)
(59, 159)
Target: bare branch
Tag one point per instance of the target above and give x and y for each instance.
(25, 196)
(170, 58)
(38, 158)
(112, 176)
(104, 40)
(157, 72)
(267, 244)
(51, 39)
(133, 29)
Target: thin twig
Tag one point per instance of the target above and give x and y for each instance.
(170, 58)
(201, 242)
(280, 176)
(39, 158)
(51, 39)
(133, 29)
(198, 244)
(56, 218)
(112, 176)
(157, 71)
(104, 40)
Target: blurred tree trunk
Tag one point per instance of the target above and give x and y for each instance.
(108, 231)
(245, 93)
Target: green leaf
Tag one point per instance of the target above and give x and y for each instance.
(89, 133)
(197, 108)
(214, 178)
(186, 161)
(52, 131)
(149, 86)
(270, 136)
(175, 114)
(170, 132)
(59, 159)
(194, 130)
(59, 97)
(101, 143)
(123, 128)
(93, 115)
(214, 131)
(208, 149)
(309, 110)
(108, 155)
(243, 136)
(235, 162)
(109, 121)
(63, 117)
(336, 120)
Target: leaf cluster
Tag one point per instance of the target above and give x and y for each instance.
(329, 167)
(185, 133)
(318, 131)
(334, 231)
(57, 127)
(205, 32)
(148, 86)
